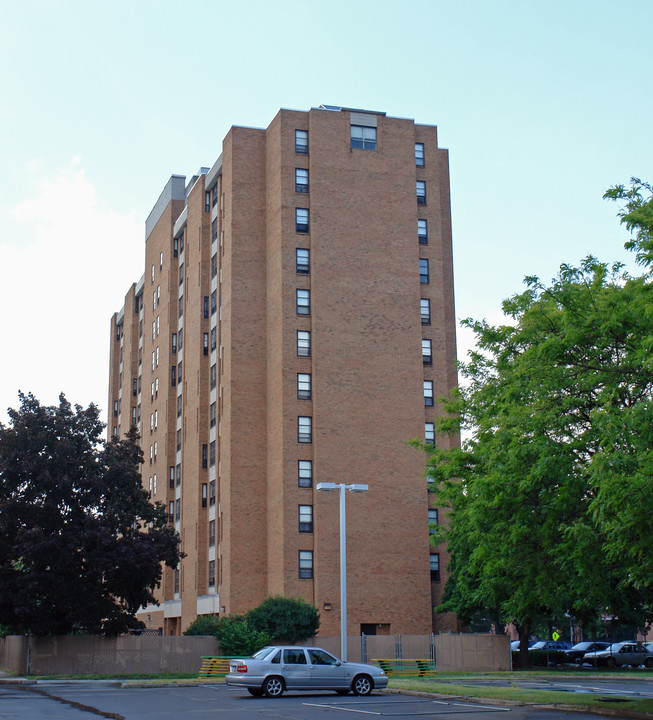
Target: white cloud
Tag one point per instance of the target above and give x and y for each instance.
(60, 289)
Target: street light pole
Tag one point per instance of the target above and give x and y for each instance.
(326, 486)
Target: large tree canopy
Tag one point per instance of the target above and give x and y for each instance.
(81, 545)
(550, 495)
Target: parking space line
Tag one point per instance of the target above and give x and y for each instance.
(482, 707)
(345, 709)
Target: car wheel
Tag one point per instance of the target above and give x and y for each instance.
(256, 692)
(342, 692)
(578, 661)
(648, 662)
(362, 685)
(610, 662)
(273, 686)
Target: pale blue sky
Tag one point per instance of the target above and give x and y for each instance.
(542, 105)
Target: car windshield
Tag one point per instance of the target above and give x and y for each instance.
(582, 646)
(262, 653)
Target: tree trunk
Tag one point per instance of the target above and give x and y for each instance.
(524, 630)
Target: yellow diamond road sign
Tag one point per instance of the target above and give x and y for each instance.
(555, 635)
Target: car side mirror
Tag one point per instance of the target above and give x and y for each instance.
(338, 663)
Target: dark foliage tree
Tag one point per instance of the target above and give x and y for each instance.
(81, 545)
(285, 619)
(551, 496)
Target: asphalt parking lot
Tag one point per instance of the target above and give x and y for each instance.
(89, 700)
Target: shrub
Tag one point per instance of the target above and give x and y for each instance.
(238, 637)
(285, 619)
(203, 625)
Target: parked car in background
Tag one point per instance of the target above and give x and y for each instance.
(550, 645)
(273, 670)
(514, 645)
(576, 653)
(621, 654)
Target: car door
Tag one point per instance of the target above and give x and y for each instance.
(326, 670)
(295, 669)
(626, 655)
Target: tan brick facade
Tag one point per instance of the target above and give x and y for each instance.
(256, 406)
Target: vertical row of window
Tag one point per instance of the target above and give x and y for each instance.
(427, 343)
(304, 381)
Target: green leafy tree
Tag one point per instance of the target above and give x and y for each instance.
(81, 545)
(550, 496)
(285, 619)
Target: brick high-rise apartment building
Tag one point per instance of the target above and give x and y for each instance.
(295, 325)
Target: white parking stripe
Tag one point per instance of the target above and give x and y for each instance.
(346, 709)
(482, 707)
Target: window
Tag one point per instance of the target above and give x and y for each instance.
(213, 377)
(363, 137)
(303, 302)
(205, 456)
(425, 310)
(181, 274)
(176, 582)
(305, 473)
(179, 405)
(171, 511)
(174, 343)
(172, 476)
(301, 220)
(115, 408)
(428, 393)
(178, 440)
(301, 142)
(175, 247)
(152, 273)
(214, 265)
(211, 573)
(211, 533)
(212, 492)
(178, 474)
(212, 453)
(302, 261)
(304, 429)
(306, 518)
(433, 520)
(207, 201)
(303, 343)
(424, 271)
(181, 306)
(214, 196)
(421, 192)
(173, 375)
(306, 564)
(429, 432)
(212, 415)
(419, 154)
(301, 180)
(422, 232)
(205, 341)
(303, 386)
(206, 307)
(214, 302)
(435, 566)
(213, 339)
(427, 352)
(214, 230)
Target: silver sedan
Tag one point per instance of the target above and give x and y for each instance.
(273, 670)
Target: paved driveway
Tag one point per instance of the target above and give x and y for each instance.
(86, 701)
